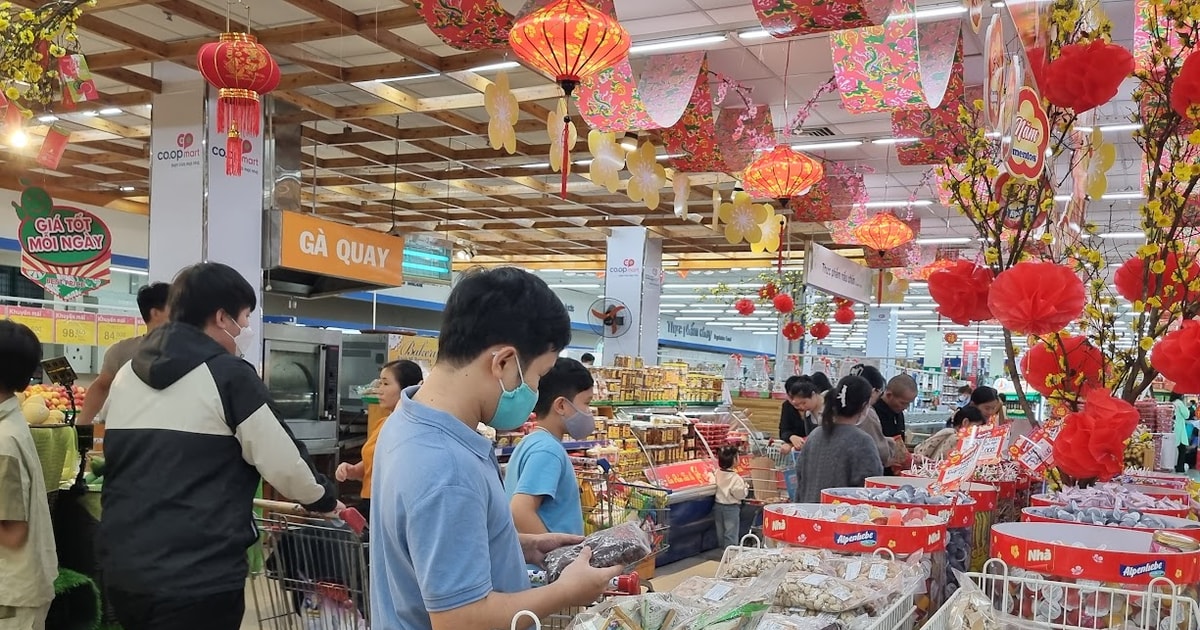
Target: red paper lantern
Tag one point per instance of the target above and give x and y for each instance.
(1170, 286)
(1083, 363)
(1185, 89)
(784, 303)
(1177, 357)
(1037, 298)
(1091, 444)
(1085, 76)
(242, 70)
(844, 315)
(793, 331)
(569, 40)
(950, 337)
(782, 173)
(961, 292)
(744, 306)
(819, 330)
(882, 232)
(769, 291)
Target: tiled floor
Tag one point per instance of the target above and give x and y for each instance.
(665, 579)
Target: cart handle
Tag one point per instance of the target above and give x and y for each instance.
(350, 516)
(537, 623)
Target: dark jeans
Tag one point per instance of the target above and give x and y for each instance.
(1180, 465)
(136, 611)
(729, 523)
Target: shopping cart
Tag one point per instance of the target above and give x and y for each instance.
(310, 572)
(772, 478)
(621, 585)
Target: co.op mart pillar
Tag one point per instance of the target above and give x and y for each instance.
(197, 212)
(633, 280)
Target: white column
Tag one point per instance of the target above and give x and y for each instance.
(197, 212)
(881, 337)
(634, 277)
(935, 349)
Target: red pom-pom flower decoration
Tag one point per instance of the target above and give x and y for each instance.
(793, 331)
(768, 291)
(844, 315)
(819, 330)
(1085, 76)
(961, 292)
(1135, 283)
(1091, 444)
(1083, 362)
(1036, 298)
(1177, 357)
(744, 306)
(1185, 89)
(784, 303)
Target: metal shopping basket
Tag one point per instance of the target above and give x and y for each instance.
(1033, 602)
(313, 570)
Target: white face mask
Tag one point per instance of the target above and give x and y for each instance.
(245, 340)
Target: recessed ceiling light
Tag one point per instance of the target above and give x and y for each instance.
(916, 203)
(835, 144)
(1122, 235)
(755, 34)
(944, 240)
(111, 111)
(895, 140)
(1123, 195)
(673, 44)
(503, 65)
(1121, 127)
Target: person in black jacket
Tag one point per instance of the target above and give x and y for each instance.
(191, 429)
(795, 417)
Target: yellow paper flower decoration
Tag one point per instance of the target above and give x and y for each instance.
(646, 175)
(771, 230)
(743, 218)
(1102, 155)
(608, 158)
(554, 126)
(502, 111)
(681, 184)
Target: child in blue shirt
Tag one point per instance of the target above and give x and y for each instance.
(540, 480)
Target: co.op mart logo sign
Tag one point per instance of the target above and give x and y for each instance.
(183, 154)
(248, 161)
(627, 267)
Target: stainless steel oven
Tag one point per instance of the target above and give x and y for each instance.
(301, 368)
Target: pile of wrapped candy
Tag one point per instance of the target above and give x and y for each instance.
(1115, 496)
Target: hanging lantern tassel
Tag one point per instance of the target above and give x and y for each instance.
(779, 256)
(566, 153)
(239, 108)
(233, 151)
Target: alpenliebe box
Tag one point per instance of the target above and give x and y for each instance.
(985, 495)
(1175, 481)
(1124, 520)
(1180, 498)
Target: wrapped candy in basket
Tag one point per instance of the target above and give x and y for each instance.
(985, 497)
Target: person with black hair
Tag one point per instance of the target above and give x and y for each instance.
(838, 454)
(1180, 430)
(445, 554)
(892, 453)
(731, 491)
(964, 396)
(900, 393)
(28, 556)
(394, 378)
(190, 434)
(540, 480)
(939, 445)
(987, 400)
(588, 359)
(821, 381)
(796, 415)
(152, 302)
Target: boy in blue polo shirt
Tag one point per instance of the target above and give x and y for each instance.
(445, 554)
(540, 480)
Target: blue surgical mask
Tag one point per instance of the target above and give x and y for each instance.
(579, 424)
(514, 407)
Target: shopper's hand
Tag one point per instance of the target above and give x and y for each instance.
(343, 471)
(785, 448)
(337, 510)
(584, 582)
(536, 546)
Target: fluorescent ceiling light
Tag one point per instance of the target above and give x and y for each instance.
(1083, 128)
(49, 118)
(111, 111)
(707, 320)
(1123, 235)
(704, 40)
(536, 165)
(763, 332)
(1121, 127)
(503, 65)
(126, 189)
(944, 240)
(836, 144)
(413, 77)
(917, 203)
(999, 4)
(131, 271)
(629, 145)
(755, 34)
(1123, 195)
(931, 12)
(889, 305)
(895, 140)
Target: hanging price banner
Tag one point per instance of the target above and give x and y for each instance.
(689, 474)
(113, 328)
(39, 320)
(75, 328)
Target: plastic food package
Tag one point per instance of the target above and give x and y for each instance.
(777, 621)
(746, 562)
(623, 545)
(650, 611)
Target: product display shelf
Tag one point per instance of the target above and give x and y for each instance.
(1012, 404)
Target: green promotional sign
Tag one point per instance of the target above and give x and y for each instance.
(67, 251)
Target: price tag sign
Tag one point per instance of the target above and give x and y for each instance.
(113, 328)
(956, 469)
(991, 442)
(1036, 451)
(39, 320)
(75, 328)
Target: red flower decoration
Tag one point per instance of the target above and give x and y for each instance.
(784, 303)
(1083, 362)
(1036, 298)
(769, 291)
(961, 292)
(1185, 90)
(793, 331)
(744, 306)
(1091, 444)
(819, 330)
(1085, 76)
(1177, 357)
(844, 315)
(1170, 286)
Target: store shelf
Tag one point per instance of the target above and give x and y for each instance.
(656, 404)
(570, 446)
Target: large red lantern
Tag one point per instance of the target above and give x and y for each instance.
(961, 292)
(1177, 357)
(242, 71)
(782, 173)
(1037, 298)
(883, 232)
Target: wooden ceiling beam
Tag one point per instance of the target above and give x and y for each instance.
(134, 79)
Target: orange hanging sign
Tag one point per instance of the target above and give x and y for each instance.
(308, 243)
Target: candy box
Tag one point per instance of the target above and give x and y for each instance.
(985, 496)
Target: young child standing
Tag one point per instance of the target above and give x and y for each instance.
(28, 559)
(731, 491)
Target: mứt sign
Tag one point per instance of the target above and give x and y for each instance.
(65, 250)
